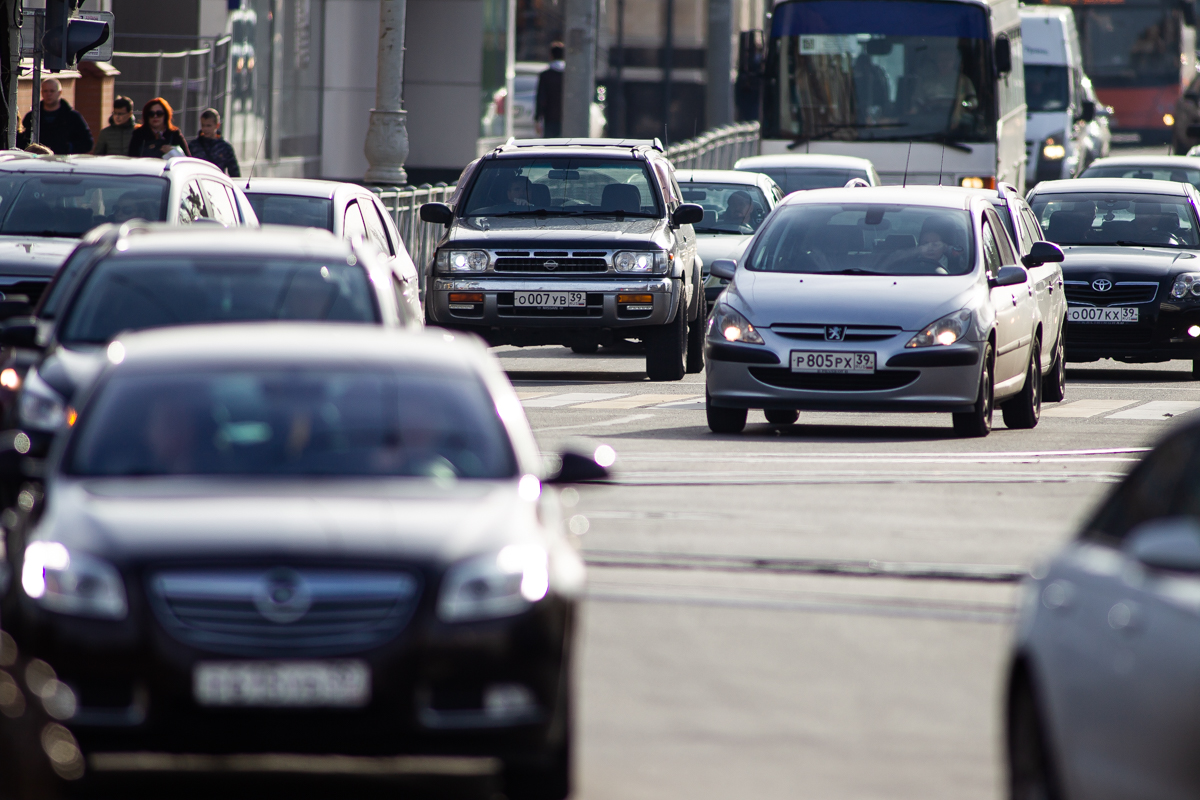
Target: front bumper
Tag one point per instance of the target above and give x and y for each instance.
(944, 379)
(1161, 334)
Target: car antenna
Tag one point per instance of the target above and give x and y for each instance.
(904, 181)
(941, 163)
(250, 174)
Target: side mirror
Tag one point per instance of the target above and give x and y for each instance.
(19, 332)
(579, 467)
(1009, 276)
(437, 213)
(687, 214)
(1087, 111)
(723, 268)
(15, 305)
(1004, 62)
(1043, 253)
(1170, 543)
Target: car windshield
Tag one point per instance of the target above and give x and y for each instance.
(70, 205)
(736, 208)
(563, 186)
(1130, 46)
(865, 240)
(286, 209)
(879, 70)
(1156, 173)
(1112, 218)
(329, 421)
(122, 294)
(1047, 87)
(798, 179)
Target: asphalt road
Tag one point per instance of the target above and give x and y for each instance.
(818, 610)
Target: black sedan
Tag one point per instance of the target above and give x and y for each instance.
(304, 548)
(1132, 266)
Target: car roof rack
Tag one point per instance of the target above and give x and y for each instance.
(636, 144)
(1006, 189)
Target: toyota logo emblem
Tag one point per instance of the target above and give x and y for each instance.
(1102, 284)
(551, 265)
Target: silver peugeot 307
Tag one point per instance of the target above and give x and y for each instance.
(879, 299)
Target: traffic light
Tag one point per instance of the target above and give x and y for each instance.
(66, 38)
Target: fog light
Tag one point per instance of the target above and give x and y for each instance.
(1194, 331)
(456, 297)
(508, 700)
(635, 298)
(1168, 120)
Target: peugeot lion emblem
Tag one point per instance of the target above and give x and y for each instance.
(551, 265)
(1102, 284)
(835, 333)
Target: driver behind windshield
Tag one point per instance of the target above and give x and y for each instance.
(738, 209)
(942, 85)
(933, 254)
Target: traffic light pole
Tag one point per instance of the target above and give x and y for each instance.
(39, 23)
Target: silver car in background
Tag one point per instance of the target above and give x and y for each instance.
(878, 299)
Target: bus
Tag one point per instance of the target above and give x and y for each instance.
(931, 91)
(1139, 54)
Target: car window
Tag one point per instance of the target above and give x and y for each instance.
(1166, 483)
(1095, 218)
(1031, 223)
(557, 185)
(353, 224)
(859, 239)
(666, 185)
(64, 280)
(191, 204)
(1003, 243)
(1006, 219)
(71, 205)
(375, 227)
(283, 209)
(991, 250)
(728, 207)
(223, 211)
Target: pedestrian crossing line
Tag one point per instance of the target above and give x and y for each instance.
(570, 399)
(635, 401)
(1084, 408)
(685, 402)
(531, 395)
(1157, 409)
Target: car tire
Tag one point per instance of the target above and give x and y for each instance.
(590, 348)
(978, 422)
(695, 343)
(1024, 410)
(781, 416)
(1196, 369)
(724, 420)
(666, 349)
(1031, 773)
(1054, 383)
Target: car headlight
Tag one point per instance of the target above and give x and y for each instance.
(945, 331)
(40, 407)
(646, 262)
(462, 260)
(495, 585)
(729, 325)
(72, 583)
(1053, 148)
(1187, 284)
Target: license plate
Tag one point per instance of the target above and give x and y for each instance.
(835, 362)
(1109, 315)
(549, 299)
(298, 684)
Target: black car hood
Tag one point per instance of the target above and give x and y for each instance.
(1150, 262)
(558, 232)
(68, 369)
(172, 518)
(33, 256)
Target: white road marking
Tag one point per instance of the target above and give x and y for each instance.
(618, 421)
(1084, 408)
(1157, 409)
(570, 398)
(632, 401)
(531, 395)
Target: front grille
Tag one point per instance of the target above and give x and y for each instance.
(1122, 293)
(561, 264)
(852, 333)
(505, 308)
(1093, 334)
(784, 378)
(284, 612)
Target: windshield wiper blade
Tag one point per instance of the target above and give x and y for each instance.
(943, 139)
(842, 126)
(851, 271)
(1127, 243)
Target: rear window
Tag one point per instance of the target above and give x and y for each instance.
(283, 209)
(122, 294)
(322, 422)
(797, 179)
(1176, 174)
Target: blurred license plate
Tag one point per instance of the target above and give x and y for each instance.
(1109, 315)
(834, 362)
(282, 683)
(549, 299)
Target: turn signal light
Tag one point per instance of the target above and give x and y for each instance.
(474, 297)
(635, 298)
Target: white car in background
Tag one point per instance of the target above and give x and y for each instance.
(796, 172)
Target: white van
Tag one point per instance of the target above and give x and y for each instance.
(1056, 129)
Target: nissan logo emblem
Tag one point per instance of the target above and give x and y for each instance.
(1102, 284)
(551, 265)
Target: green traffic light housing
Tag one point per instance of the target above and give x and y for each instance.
(66, 40)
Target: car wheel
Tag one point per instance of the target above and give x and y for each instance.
(1030, 769)
(1024, 410)
(695, 343)
(666, 349)
(1196, 369)
(724, 420)
(1054, 383)
(978, 422)
(781, 416)
(586, 349)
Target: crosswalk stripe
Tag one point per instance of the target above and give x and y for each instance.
(1157, 409)
(634, 401)
(531, 395)
(1084, 408)
(686, 402)
(569, 398)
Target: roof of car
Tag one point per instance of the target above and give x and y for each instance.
(299, 187)
(1106, 185)
(936, 196)
(610, 148)
(213, 240)
(20, 161)
(741, 177)
(1147, 161)
(802, 161)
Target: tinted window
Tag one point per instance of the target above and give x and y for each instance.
(1047, 87)
(583, 186)
(123, 294)
(728, 207)
(1163, 485)
(991, 250)
(797, 180)
(415, 422)
(1111, 218)
(1176, 174)
(861, 239)
(282, 209)
(70, 205)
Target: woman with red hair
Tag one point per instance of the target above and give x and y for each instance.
(155, 137)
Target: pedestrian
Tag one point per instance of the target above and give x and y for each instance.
(211, 147)
(63, 129)
(114, 139)
(155, 137)
(38, 149)
(548, 111)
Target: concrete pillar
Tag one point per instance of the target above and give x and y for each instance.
(719, 61)
(579, 80)
(386, 147)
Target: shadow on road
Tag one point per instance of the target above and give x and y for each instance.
(1128, 375)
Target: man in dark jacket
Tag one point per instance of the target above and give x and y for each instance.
(548, 112)
(63, 128)
(211, 147)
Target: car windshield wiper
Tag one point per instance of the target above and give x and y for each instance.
(842, 126)
(942, 139)
(1128, 243)
(851, 271)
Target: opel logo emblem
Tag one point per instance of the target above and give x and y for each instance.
(835, 333)
(551, 265)
(1102, 284)
(283, 596)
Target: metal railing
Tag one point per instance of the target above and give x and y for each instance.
(190, 80)
(420, 238)
(719, 148)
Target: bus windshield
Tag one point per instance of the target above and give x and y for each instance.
(879, 70)
(1130, 45)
